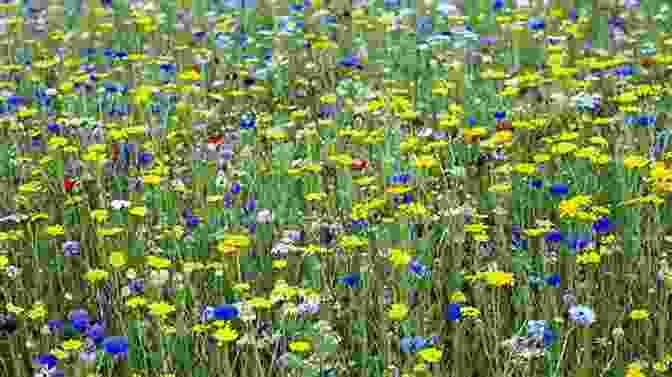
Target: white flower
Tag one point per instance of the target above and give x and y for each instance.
(264, 216)
(119, 204)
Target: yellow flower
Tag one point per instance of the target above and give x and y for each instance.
(152, 179)
(568, 208)
(470, 311)
(503, 137)
(158, 262)
(599, 140)
(55, 230)
(398, 189)
(399, 258)
(161, 309)
(430, 355)
(238, 241)
(563, 148)
(536, 232)
(200, 328)
(498, 278)
(425, 162)
(398, 312)
(226, 334)
(635, 162)
(260, 303)
(138, 211)
(524, 168)
(458, 297)
(57, 141)
(117, 259)
(476, 228)
(639, 314)
(72, 345)
(14, 309)
(279, 264)
(588, 258)
(136, 302)
(241, 287)
(96, 275)
(300, 346)
(4, 261)
(38, 312)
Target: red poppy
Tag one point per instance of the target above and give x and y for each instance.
(359, 164)
(115, 151)
(504, 125)
(69, 184)
(217, 140)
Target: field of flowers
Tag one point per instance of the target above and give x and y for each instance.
(375, 188)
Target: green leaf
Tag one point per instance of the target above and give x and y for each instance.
(328, 344)
(294, 361)
(359, 328)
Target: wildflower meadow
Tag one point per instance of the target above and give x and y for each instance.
(329, 188)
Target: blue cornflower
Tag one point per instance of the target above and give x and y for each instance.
(48, 360)
(79, 319)
(116, 345)
(418, 268)
(145, 158)
(36, 141)
(187, 212)
(453, 312)
(136, 286)
(352, 280)
(577, 243)
(553, 236)
(626, 70)
(360, 224)
(553, 280)
(603, 225)
(582, 315)
(549, 336)
(498, 4)
(16, 100)
(400, 179)
(55, 324)
(349, 61)
(247, 121)
(559, 189)
(235, 188)
(537, 183)
(251, 205)
(109, 53)
(646, 120)
(228, 200)
(53, 127)
(471, 119)
(499, 115)
(96, 332)
(225, 312)
(410, 344)
(536, 24)
(193, 221)
(407, 198)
